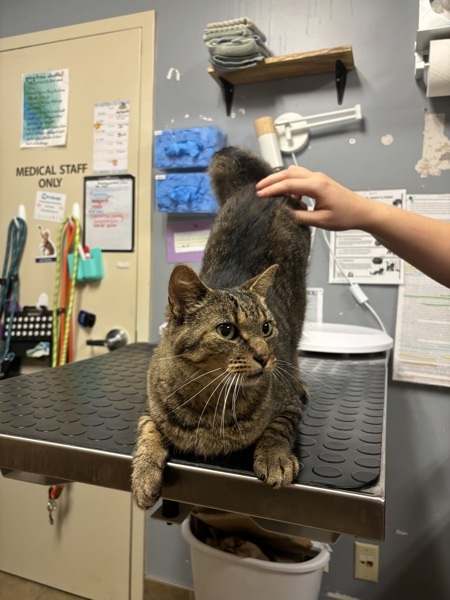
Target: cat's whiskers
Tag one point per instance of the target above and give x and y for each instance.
(235, 395)
(225, 397)
(224, 386)
(225, 400)
(309, 374)
(222, 383)
(189, 380)
(281, 371)
(199, 392)
(172, 356)
(233, 399)
(282, 378)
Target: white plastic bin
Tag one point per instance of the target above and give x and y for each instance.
(219, 575)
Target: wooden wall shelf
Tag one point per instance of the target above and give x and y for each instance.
(337, 60)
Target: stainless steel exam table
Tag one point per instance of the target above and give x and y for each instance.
(78, 423)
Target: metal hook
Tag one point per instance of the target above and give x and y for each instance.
(21, 214)
(341, 78)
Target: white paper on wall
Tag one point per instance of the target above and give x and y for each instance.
(362, 258)
(422, 338)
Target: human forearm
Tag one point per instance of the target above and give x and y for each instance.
(421, 241)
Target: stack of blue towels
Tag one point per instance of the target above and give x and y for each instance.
(184, 155)
(235, 44)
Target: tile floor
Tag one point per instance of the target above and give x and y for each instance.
(16, 588)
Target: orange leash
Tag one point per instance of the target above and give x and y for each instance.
(64, 293)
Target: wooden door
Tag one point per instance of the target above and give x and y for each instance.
(95, 548)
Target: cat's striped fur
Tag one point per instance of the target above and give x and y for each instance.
(224, 376)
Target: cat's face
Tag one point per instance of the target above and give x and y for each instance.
(224, 331)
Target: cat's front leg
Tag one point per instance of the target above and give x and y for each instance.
(273, 460)
(149, 459)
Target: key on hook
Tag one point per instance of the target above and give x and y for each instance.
(51, 507)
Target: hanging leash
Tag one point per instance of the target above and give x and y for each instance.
(9, 284)
(62, 336)
(68, 241)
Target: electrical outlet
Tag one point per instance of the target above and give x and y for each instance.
(366, 561)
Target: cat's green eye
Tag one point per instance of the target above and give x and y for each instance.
(267, 329)
(227, 331)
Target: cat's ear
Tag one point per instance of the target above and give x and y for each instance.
(262, 282)
(185, 289)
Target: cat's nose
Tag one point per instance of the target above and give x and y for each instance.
(261, 358)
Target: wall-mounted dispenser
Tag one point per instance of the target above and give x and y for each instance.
(293, 129)
(289, 132)
(432, 51)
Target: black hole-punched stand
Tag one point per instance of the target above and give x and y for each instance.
(341, 79)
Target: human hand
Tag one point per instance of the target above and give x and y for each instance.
(336, 207)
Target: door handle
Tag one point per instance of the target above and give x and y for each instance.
(116, 338)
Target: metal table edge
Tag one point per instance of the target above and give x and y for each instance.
(355, 513)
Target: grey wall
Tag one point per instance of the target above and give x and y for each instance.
(416, 553)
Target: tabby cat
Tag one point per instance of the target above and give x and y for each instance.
(224, 376)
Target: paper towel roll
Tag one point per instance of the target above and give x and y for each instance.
(438, 72)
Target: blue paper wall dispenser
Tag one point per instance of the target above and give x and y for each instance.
(184, 193)
(192, 148)
(89, 269)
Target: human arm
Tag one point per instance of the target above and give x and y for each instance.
(421, 241)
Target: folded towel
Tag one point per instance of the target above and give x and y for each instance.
(230, 46)
(236, 31)
(241, 26)
(235, 44)
(226, 63)
(237, 21)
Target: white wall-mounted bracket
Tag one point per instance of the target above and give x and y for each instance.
(293, 129)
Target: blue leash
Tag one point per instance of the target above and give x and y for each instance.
(9, 284)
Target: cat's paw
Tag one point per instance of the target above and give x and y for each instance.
(276, 468)
(146, 484)
(149, 460)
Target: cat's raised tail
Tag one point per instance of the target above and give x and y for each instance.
(233, 168)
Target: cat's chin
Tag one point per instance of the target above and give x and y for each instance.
(253, 379)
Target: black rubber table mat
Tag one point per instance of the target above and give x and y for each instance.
(96, 403)
(340, 438)
(341, 432)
